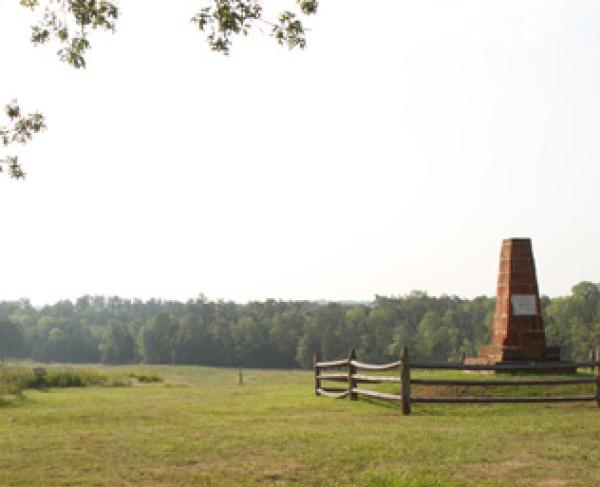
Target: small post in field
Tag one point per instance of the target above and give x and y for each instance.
(597, 372)
(351, 372)
(241, 377)
(317, 372)
(405, 380)
(40, 373)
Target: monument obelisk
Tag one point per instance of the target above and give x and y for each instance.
(518, 327)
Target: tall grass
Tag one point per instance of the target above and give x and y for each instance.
(14, 380)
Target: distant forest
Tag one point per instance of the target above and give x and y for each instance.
(278, 334)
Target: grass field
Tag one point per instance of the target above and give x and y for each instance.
(199, 427)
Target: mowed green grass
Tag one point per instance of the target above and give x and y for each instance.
(201, 428)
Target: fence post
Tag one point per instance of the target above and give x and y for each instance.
(597, 371)
(405, 380)
(317, 372)
(351, 371)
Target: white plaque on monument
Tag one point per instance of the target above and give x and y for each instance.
(523, 304)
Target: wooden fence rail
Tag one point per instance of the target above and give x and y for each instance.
(352, 378)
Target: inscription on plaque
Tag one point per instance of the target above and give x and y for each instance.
(523, 305)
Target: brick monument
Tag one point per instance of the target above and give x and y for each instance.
(518, 328)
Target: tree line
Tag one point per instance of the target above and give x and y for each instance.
(278, 334)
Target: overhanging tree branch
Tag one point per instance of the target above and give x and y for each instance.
(224, 19)
(68, 22)
(19, 129)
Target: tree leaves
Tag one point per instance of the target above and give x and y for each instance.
(289, 31)
(68, 22)
(11, 339)
(308, 7)
(224, 19)
(74, 52)
(19, 129)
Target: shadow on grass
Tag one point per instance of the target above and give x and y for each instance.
(474, 410)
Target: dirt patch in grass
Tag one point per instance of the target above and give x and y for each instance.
(263, 469)
(549, 482)
(514, 469)
(503, 469)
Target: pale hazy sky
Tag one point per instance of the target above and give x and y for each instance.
(394, 154)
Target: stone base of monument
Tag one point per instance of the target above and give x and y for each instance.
(546, 357)
(529, 352)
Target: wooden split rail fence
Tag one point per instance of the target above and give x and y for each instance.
(352, 378)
